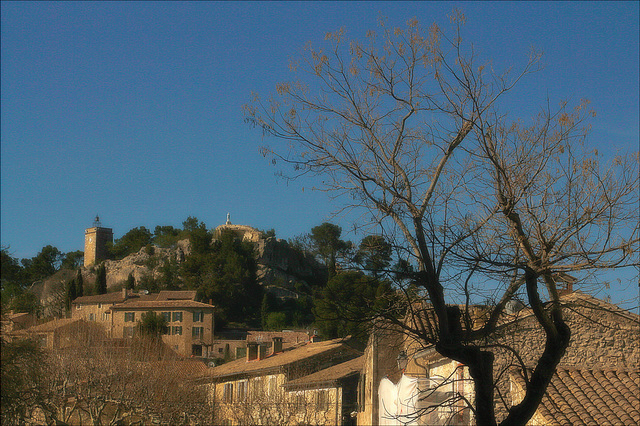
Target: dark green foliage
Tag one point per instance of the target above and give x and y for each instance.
(79, 284)
(169, 275)
(166, 236)
(43, 265)
(153, 325)
(326, 242)
(71, 294)
(276, 321)
(374, 254)
(10, 269)
(269, 304)
(225, 272)
(23, 380)
(73, 260)
(101, 279)
(348, 302)
(131, 282)
(131, 242)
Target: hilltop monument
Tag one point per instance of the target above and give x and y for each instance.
(95, 243)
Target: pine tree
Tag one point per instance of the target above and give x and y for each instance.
(71, 294)
(131, 281)
(101, 279)
(79, 284)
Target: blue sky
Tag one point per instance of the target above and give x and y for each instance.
(133, 110)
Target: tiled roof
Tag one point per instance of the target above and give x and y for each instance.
(116, 297)
(100, 298)
(329, 375)
(602, 397)
(51, 325)
(160, 304)
(176, 295)
(273, 362)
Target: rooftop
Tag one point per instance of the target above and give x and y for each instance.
(276, 361)
(594, 396)
(329, 375)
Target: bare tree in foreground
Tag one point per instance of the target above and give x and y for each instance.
(411, 128)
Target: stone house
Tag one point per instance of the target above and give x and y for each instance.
(232, 344)
(597, 381)
(190, 324)
(314, 383)
(61, 333)
(14, 321)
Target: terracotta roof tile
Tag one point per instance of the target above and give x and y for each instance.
(51, 325)
(595, 396)
(274, 362)
(160, 304)
(331, 374)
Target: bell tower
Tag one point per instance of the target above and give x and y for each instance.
(95, 242)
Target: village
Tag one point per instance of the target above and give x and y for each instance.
(431, 211)
(295, 377)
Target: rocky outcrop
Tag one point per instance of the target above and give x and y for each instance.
(280, 265)
(146, 262)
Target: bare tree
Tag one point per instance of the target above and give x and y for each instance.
(102, 383)
(411, 128)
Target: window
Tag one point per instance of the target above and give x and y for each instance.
(273, 385)
(198, 316)
(322, 400)
(227, 395)
(78, 306)
(167, 316)
(106, 316)
(197, 332)
(299, 401)
(176, 330)
(256, 390)
(92, 317)
(129, 316)
(99, 305)
(242, 391)
(128, 331)
(177, 317)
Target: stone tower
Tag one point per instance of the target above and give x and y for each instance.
(95, 243)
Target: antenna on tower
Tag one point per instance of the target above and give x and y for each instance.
(96, 222)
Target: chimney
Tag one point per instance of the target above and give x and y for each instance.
(124, 293)
(252, 351)
(262, 352)
(277, 345)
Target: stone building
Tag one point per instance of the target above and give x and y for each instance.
(602, 363)
(95, 243)
(313, 383)
(190, 324)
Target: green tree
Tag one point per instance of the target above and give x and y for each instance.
(131, 281)
(101, 279)
(326, 240)
(71, 294)
(153, 325)
(166, 236)
(131, 242)
(79, 284)
(46, 263)
(374, 254)
(73, 260)
(226, 274)
(417, 131)
(349, 302)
